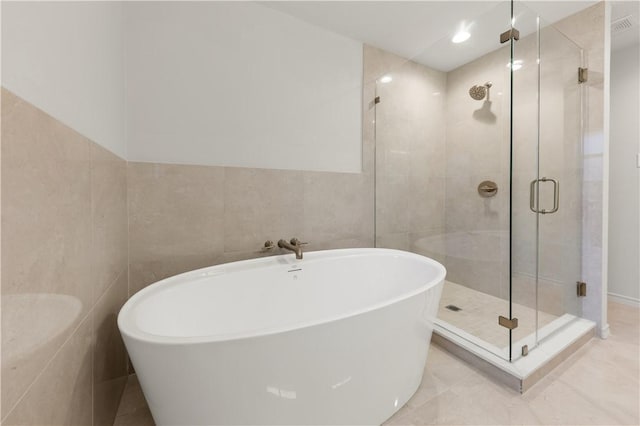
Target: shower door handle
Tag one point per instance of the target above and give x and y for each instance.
(534, 188)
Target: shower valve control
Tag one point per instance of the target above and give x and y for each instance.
(487, 188)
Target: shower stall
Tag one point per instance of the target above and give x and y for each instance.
(479, 165)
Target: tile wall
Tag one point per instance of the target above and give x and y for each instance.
(410, 150)
(64, 272)
(186, 217)
(477, 150)
(469, 143)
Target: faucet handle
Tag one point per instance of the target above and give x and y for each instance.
(268, 245)
(296, 242)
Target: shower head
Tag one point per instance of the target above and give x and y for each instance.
(479, 92)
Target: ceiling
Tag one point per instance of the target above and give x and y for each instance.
(422, 30)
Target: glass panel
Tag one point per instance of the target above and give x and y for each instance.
(546, 173)
(441, 131)
(525, 171)
(561, 158)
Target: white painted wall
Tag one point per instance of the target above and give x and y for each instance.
(240, 84)
(66, 58)
(624, 178)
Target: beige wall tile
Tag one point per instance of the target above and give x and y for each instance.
(368, 128)
(261, 205)
(62, 393)
(343, 243)
(337, 206)
(410, 148)
(379, 62)
(329, 210)
(585, 28)
(426, 204)
(392, 204)
(46, 223)
(143, 273)
(430, 243)
(65, 241)
(109, 217)
(109, 354)
(398, 241)
(176, 219)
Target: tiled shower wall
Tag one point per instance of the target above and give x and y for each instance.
(64, 272)
(410, 150)
(186, 217)
(478, 149)
(469, 143)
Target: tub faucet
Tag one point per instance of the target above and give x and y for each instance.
(294, 245)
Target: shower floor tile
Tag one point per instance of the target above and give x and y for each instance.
(478, 315)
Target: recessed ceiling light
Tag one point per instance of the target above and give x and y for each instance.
(386, 79)
(461, 36)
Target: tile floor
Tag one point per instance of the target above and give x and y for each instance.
(480, 311)
(598, 385)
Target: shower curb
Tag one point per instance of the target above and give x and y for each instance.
(505, 372)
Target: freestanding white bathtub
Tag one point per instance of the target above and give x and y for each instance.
(340, 337)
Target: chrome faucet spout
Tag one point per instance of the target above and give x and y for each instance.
(296, 248)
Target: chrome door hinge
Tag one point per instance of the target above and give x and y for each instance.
(508, 323)
(582, 288)
(583, 74)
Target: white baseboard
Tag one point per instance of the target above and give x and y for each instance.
(625, 300)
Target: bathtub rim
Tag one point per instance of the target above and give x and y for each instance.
(128, 327)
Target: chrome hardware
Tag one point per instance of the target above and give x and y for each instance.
(535, 188)
(509, 34)
(525, 350)
(297, 249)
(582, 288)
(508, 323)
(487, 189)
(583, 75)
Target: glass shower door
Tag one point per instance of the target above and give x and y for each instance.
(546, 201)
(561, 158)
